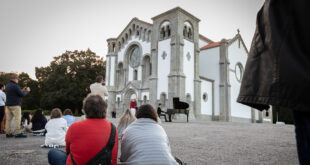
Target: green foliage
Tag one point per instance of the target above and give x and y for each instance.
(5, 77)
(32, 100)
(46, 112)
(65, 82)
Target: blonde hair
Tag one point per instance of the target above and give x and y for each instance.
(126, 118)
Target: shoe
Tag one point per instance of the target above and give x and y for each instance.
(20, 135)
(9, 135)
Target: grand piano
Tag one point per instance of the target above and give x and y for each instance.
(178, 107)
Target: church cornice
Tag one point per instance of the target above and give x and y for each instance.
(134, 20)
(177, 9)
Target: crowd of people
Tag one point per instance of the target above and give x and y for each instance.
(93, 139)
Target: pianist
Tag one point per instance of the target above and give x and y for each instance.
(161, 113)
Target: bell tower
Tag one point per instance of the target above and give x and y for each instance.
(175, 54)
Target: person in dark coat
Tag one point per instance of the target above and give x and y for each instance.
(277, 71)
(13, 102)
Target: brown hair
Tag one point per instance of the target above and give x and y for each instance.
(94, 106)
(126, 118)
(68, 112)
(56, 113)
(146, 111)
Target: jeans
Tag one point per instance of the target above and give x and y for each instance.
(302, 130)
(57, 157)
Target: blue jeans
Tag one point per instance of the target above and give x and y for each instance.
(302, 130)
(57, 157)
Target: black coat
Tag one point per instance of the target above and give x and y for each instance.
(277, 71)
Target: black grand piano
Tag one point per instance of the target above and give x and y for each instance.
(178, 107)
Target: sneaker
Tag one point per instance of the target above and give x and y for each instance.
(20, 135)
(9, 135)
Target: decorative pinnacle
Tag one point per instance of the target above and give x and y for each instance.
(238, 30)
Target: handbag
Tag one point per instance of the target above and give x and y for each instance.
(104, 156)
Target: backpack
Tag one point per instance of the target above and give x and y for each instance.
(104, 156)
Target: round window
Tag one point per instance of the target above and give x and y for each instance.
(135, 56)
(205, 97)
(239, 71)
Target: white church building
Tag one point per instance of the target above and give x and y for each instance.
(154, 62)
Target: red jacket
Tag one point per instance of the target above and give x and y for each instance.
(84, 139)
(132, 104)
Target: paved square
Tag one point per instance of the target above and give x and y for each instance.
(194, 142)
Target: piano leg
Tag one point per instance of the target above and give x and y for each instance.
(170, 118)
(187, 116)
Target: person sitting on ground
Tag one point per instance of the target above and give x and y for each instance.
(56, 129)
(68, 116)
(125, 120)
(161, 113)
(85, 139)
(144, 141)
(25, 123)
(38, 123)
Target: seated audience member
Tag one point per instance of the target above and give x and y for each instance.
(85, 139)
(161, 112)
(126, 119)
(38, 122)
(56, 129)
(68, 116)
(146, 142)
(25, 123)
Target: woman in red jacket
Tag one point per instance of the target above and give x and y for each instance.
(85, 139)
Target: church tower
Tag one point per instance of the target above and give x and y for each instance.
(175, 54)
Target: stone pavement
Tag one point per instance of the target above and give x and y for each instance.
(195, 142)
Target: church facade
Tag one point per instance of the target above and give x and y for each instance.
(169, 58)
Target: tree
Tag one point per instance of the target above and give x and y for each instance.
(65, 82)
(32, 100)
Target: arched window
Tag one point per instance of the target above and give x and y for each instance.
(144, 99)
(135, 74)
(126, 36)
(185, 32)
(168, 31)
(130, 32)
(190, 33)
(118, 102)
(162, 33)
(120, 75)
(146, 68)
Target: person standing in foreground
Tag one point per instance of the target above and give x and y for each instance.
(13, 103)
(277, 71)
(99, 88)
(85, 139)
(2, 104)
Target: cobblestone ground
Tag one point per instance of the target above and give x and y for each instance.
(194, 142)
